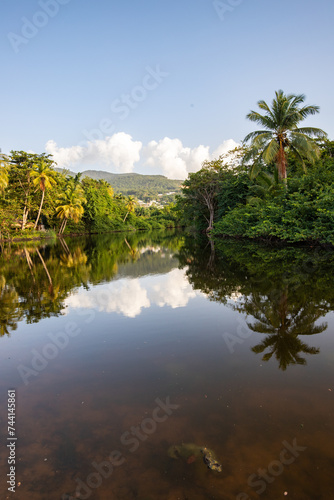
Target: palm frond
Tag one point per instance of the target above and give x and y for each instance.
(308, 110)
(270, 152)
(295, 100)
(317, 132)
(256, 133)
(299, 156)
(255, 169)
(265, 121)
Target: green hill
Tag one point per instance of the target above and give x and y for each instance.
(143, 187)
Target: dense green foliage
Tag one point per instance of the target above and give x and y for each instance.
(211, 192)
(248, 194)
(263, 208)
(304, 212)
(279, 188)
(143, 187)
(33, 195)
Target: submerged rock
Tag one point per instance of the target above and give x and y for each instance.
(210, 460)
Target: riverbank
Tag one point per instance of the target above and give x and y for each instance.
(51, 235)
(275, 242)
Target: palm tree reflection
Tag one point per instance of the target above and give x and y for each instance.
(285, 295)
(9, 308)
(282, 320)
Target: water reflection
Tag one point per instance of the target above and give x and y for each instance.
(38, 283)
(130, 296)
(9, 310)
(282, 320)
(286, 291)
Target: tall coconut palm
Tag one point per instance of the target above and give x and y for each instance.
(281, 133)
(4, 166)
(44, 177)
(70, 205)
(130, 206)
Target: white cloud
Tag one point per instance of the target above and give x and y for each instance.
(130, 296)
(64, 157)
(224, 148)
(173, 290)
(119, 151)
(177, 161)
(124, 297)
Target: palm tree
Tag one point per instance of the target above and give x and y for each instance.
(4, 166)
(42, 176)
(70, 205)
(105, 184)
(130, 206)
(281, 133)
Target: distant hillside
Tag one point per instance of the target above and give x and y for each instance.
(144, 187)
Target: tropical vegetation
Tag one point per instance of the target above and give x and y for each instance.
(281, 134)
(278, 186)
(36, 200)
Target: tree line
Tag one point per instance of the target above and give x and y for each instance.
(278, 186)
(36, 196)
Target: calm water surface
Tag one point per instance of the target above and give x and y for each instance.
(124, 351)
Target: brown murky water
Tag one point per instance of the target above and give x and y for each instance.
(126, 353)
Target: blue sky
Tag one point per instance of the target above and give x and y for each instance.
(152, 86)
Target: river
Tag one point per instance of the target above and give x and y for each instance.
(128, 354)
